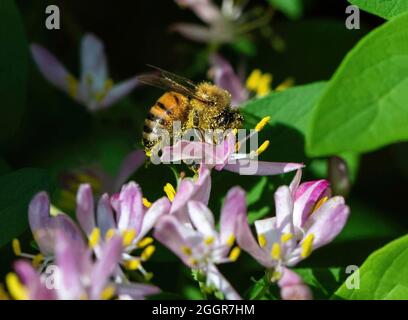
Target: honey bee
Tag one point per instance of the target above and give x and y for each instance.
(200, 106)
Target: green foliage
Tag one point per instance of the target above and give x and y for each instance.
(16, 191)
(13, 68)
(365, 105)
(292, 8)
(384, 275)
(386, 9)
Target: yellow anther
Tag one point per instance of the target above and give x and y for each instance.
(108, 293)
(276, 275)
(128, 237)
(16, 288)
(264, 86)
(276, 251)
(3, 293)
(147, 203)
(170, 191)
(38, 259)
(148, 276)
(15, 244)
(234, 254)
(262, 240)
(147, 253)
(109, 234)
(186, 250)
(231, 240)
(285, 84)
(99, 96)
(263, 147)
(286, 237)
(252, 81)
(193, 261)
(145, 242)
(261, 124)
(209, 240)
(320, 203)
(132, 264)
(54, 211)
(94, 238)
(72, 85)
(307, 245)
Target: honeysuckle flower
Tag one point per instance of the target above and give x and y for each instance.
(197, 188)
(307, 217)
(76, 275)
(292, 286)
(224, 155)
(257, 84)
(95, 90)
(99, 179)
(126, 213)
(199, 245)
(224, 24)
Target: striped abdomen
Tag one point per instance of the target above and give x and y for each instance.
(169, 107)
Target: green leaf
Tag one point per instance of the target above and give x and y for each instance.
(386, 9)
(365, 105)
(16, 191)
(384, 275)
(291, 8)
(13, 68)
(290, 113)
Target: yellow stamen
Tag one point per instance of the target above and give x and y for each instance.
(307, 246)
(54, 211)
(276, 251)
(128, 237)
(16, 288)
(148, 153)
(94, 238)
(193, 261)
(147, 253)
(285, 84)
(263, 147)
(38, 259)
(147, 203)
(170, 191)
(3, 293)
(186, 250)
(72, 83)
(108, 293)
(145, 242)
(320, 203)
(15, 244)
(264, 86)
(262, 240)
(252, 82)
(209, 240)
(148, 276)
(261, 124)
(286, 237)
(109, 234)
(234, 254)
(231, 240)
(132, 264)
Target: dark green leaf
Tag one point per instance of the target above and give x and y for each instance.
(386, 9)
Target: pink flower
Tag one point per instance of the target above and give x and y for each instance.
(306, 219)
(197, 242)
(95, 90)
(292, 286)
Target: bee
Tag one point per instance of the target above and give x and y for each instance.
(202, 106)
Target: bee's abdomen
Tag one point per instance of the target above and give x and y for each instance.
(169, 107)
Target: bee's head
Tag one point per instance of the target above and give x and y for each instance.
(229, 119)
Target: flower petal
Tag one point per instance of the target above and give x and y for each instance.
(262, 168)
(104, 216)
(193, 32)
(215, 278)
(50, 67)
(85, 208)
(203, 185)
(158, 209)
(234, 206)
(293, 287)
(184, 193)
(136, 291)
(131, 207)
(284, 209)
(206, 10)
(202, 218)
(119, 91)
(328, 221)
(129, 165)
(93, 62)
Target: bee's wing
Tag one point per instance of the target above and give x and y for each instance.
(168, 81)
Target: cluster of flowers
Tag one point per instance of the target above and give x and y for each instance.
(117, 228)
